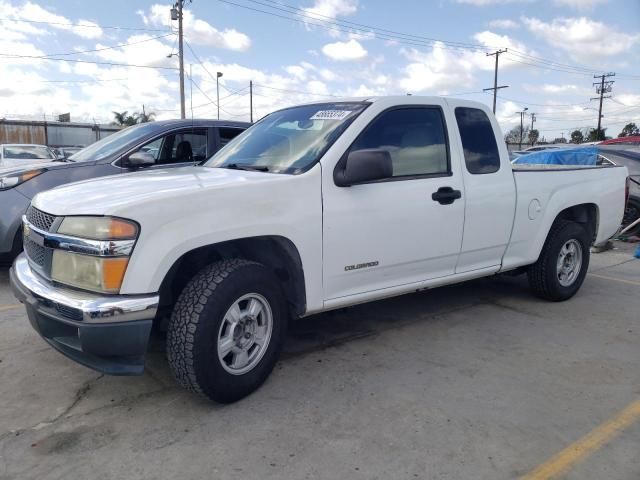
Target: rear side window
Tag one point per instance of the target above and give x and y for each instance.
(478, 141)
(227, 134)
(414, 137)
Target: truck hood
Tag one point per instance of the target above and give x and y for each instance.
(116, 193)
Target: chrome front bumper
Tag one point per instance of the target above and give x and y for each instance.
(106, 332)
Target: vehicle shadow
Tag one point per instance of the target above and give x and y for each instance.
(330, 329)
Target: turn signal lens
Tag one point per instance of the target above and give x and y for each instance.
(113, 270)
(122, 229)
(99, 228)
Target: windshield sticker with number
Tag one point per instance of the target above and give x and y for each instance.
(331, 115)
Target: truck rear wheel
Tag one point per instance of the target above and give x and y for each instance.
(563, 262)
(227, 329)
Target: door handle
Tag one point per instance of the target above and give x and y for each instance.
(446, 195)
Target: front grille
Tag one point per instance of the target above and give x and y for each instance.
(40, 219)
(69, 312)
(36, 253)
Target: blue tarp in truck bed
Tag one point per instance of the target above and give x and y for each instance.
(561, 156)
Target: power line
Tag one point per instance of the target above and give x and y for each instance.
(77, 52)
(526, 102)
(334, 21)
(295, 91)
(106, 27)
(113, 64)
(346, 29)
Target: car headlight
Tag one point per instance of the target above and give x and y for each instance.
(96, 252)
(15, 179)
(99, 228)
(98, 274)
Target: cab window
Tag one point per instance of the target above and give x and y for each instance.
(478, 141)
(414, 137)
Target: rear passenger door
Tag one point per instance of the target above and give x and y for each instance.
(393, 232)
(489, 187)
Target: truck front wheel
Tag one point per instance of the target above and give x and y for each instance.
(563, 262)
(227, 329)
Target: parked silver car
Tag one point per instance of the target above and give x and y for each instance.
(15, 154)
(161, 144)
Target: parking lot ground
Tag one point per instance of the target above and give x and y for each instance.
(475, 381)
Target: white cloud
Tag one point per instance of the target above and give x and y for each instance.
(297, 71)
(332, 8)
(31, 11)
(444, 70)
(547, 88)
(35, 12)
(436, 71)
(197, 31)
(503, 24)
(628, 99)
(580, 4)
(328, 75)
(344, 51)
(581, 38)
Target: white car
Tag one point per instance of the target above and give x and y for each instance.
(16, 154)
(315, 207)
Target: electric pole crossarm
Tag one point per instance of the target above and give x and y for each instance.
(602, 87)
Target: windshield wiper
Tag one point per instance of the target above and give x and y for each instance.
(247, 166)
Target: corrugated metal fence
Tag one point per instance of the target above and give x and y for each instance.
(55, 134)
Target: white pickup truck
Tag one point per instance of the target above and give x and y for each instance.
(316, 207)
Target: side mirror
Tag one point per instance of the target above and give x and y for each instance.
(140, 160)
(364, 166)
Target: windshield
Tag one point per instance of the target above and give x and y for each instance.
(27, 152)
(113, 143)
(288, 141)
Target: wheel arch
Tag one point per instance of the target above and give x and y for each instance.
(587, 214)
(275, 252)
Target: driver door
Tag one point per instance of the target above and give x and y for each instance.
(392, 233)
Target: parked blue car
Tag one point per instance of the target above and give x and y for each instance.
(161, 144)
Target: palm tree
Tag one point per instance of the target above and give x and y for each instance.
(122, 119)
(145, 117)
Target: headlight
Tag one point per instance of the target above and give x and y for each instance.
(15, 179)
(99, 228)
(98, 274)
(96, 255)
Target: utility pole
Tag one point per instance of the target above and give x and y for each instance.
(495, 78)
(522, 125)
(533, 119)
(251, 101)
(602, 87)
(176, 14)
(191, 89)
(218, 75)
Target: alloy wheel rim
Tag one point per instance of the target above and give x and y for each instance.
(569, 262)
(244, 334)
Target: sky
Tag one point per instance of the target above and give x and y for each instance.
(93, 58)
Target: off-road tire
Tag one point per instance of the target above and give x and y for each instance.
(195, 322)
(542, 275)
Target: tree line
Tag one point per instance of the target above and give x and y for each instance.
(531, 137)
